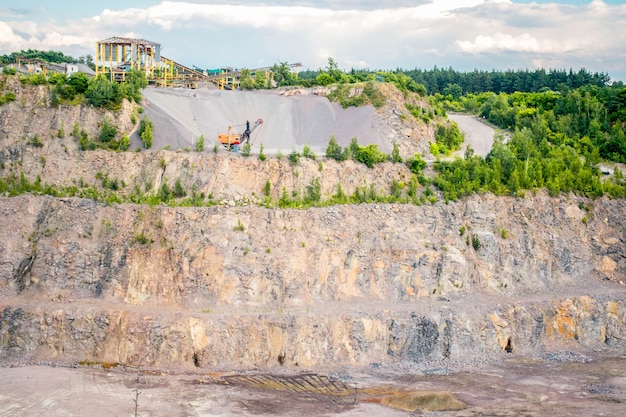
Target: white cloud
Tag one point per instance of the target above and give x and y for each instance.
(10, 41)
(504, 42)
(465, 34)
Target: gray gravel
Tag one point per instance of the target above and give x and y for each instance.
(477, 134)
(181, 115)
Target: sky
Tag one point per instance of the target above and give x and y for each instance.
(373, 34)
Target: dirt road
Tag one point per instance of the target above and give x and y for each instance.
(562, 383)
(477, 134)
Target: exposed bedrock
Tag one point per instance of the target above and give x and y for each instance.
(243, 287)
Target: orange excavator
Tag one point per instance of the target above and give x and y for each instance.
(232, 140)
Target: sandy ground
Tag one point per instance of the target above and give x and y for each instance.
(180, 116)
(562, 384)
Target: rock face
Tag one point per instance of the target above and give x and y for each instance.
(241, 287)
(32, 114)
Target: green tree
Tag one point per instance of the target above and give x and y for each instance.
(395, 154)
(333, 70)
(179, 191)
(145, 132)
(454, 90)
(134, 82)
(79, 82)
(324, 79)
(245, 80)
(104, 93)
(108, 131)
(199, 145)
(333, 150)
(260, 80)
(282, 74)
(314, 191)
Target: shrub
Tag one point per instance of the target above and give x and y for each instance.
(199, 145)
(61, 131)
(107, 131)
(142, 239)
(179, 191)
(475, 242)
(267, 188)
(395, 154)
(7, 97)
(448, 137)
(307, 153)
(314, 191)
(79, 82)
(145, 132)
(416, 164)
(262, 156)
(294, 157)
(164, 194)
(124, 143)
(34, 79)
(370, 155)
(8, 71)
(35, 141)
(247, 147)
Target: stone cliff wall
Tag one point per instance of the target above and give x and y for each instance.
(240, 287)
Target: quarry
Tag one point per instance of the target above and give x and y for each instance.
(487, 305)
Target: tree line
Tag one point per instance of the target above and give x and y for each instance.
(445, 81)
(55, 57)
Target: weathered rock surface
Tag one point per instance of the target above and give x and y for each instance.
(239, 286)
(32, 114)
(344, 285)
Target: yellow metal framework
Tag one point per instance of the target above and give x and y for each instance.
(115, 56)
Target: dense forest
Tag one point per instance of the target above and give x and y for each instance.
(446, 81)
(557, 141)
(440, 80)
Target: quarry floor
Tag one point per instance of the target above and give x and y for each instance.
(560, 384)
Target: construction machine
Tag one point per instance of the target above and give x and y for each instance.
(232, 140)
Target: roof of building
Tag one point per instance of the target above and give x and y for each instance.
(120, 40)
(85, 68)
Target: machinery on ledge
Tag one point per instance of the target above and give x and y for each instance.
(232, 140)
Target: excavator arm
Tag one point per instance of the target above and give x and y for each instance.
(245, 136)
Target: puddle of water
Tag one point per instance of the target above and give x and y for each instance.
(423, 401)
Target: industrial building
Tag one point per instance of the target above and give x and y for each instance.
(117, 55)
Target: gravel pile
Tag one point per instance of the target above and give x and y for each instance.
(180, 116)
